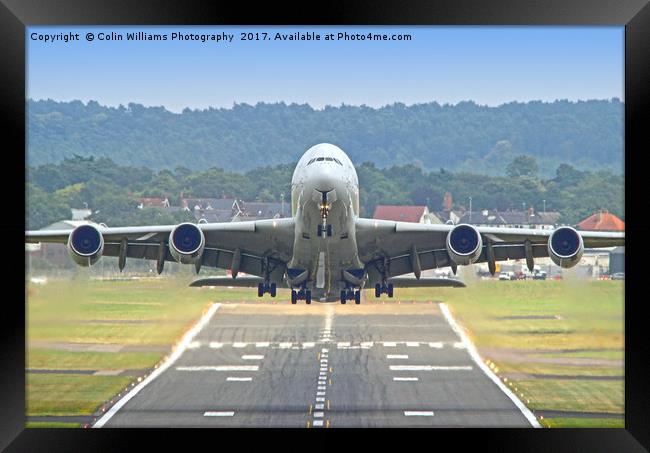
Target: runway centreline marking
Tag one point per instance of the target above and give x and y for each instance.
(397, 356)
(405, 379)
(178, 351)
(239, 379)
(252, 357)
(471, 350)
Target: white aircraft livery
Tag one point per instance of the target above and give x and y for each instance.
(325, 251)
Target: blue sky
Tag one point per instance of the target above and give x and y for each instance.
(489, 65)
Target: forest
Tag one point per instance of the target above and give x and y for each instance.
(111, 190)
(466, 138)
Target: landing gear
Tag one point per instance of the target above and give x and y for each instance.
(302, 294)
(324, 230)
(384, 288)
(266, 287)
(351, 294)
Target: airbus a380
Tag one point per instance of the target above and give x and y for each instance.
(325, 251)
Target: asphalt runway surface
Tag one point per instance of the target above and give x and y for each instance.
(323, 365)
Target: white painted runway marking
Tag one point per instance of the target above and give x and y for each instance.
(412, 344)
(320, 399)
(239, 379)
(471, 350)
(436, 344)
(319, 406)
(308, 345)
(429, 368)
(418, 413)
(324, 350)
(397, 356)
(262, 344)
(215, 345)
(321, 387)
(320, 393)
(285, 345)
(318, 422)
(459, 345)
(194, 345)
(318, 414)
(239, 345)
(390, 344)
(252, 357)
(343, 344)
(219, 414)
(367, 344)
(405, 379)
(219, 368)
(178, 351)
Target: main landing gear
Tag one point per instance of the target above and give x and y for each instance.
(384, 288)
(349, 295)
(266, 287)
(302, 294)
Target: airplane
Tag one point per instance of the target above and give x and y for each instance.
(325, 251)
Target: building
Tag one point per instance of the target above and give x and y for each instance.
(601, 221)
(509, 219)
(416, 214)
(153, 202)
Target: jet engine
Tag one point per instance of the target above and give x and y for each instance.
(186, 243)
(85, 245)
(565, 247)
(464, 244)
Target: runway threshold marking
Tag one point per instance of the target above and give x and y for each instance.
(429, 368)
(218, 414)
(219, 368)
(471, 350)
(418, 413)
(178, 351)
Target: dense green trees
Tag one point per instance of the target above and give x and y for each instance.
(462, 137)
(110, 190)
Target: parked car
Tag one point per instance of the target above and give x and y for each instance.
(618, 276)
(520, 275)
(540, 275)
(507, 276)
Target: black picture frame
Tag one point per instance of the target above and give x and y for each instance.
(15, 15)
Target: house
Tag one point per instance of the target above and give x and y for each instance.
(416, 214)
(510, 219)
(152, 202)
(601, 221)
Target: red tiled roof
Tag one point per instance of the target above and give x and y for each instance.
(602, 221)
(399, 213)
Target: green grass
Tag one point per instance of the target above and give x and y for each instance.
(64, 311)
(572, 395)
(583, 422)
(56, 394)
(38, 358)
(52, 425)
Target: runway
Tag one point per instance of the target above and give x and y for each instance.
(323, 365)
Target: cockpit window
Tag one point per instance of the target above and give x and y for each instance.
(324, 159)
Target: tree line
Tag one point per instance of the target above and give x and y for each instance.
(110, 190)
(463, 137)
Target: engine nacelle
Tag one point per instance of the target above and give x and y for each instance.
(85, 245)
(186, 243)
(464, 244)
(565, 247)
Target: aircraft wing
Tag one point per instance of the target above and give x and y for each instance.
(406, 247)
(252, 241)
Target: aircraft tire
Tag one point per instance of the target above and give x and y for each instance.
(294, 297)
(260, 289)
(357, 297)
(377, 290)
(273, 289)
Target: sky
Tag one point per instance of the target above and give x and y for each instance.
(486, 64)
